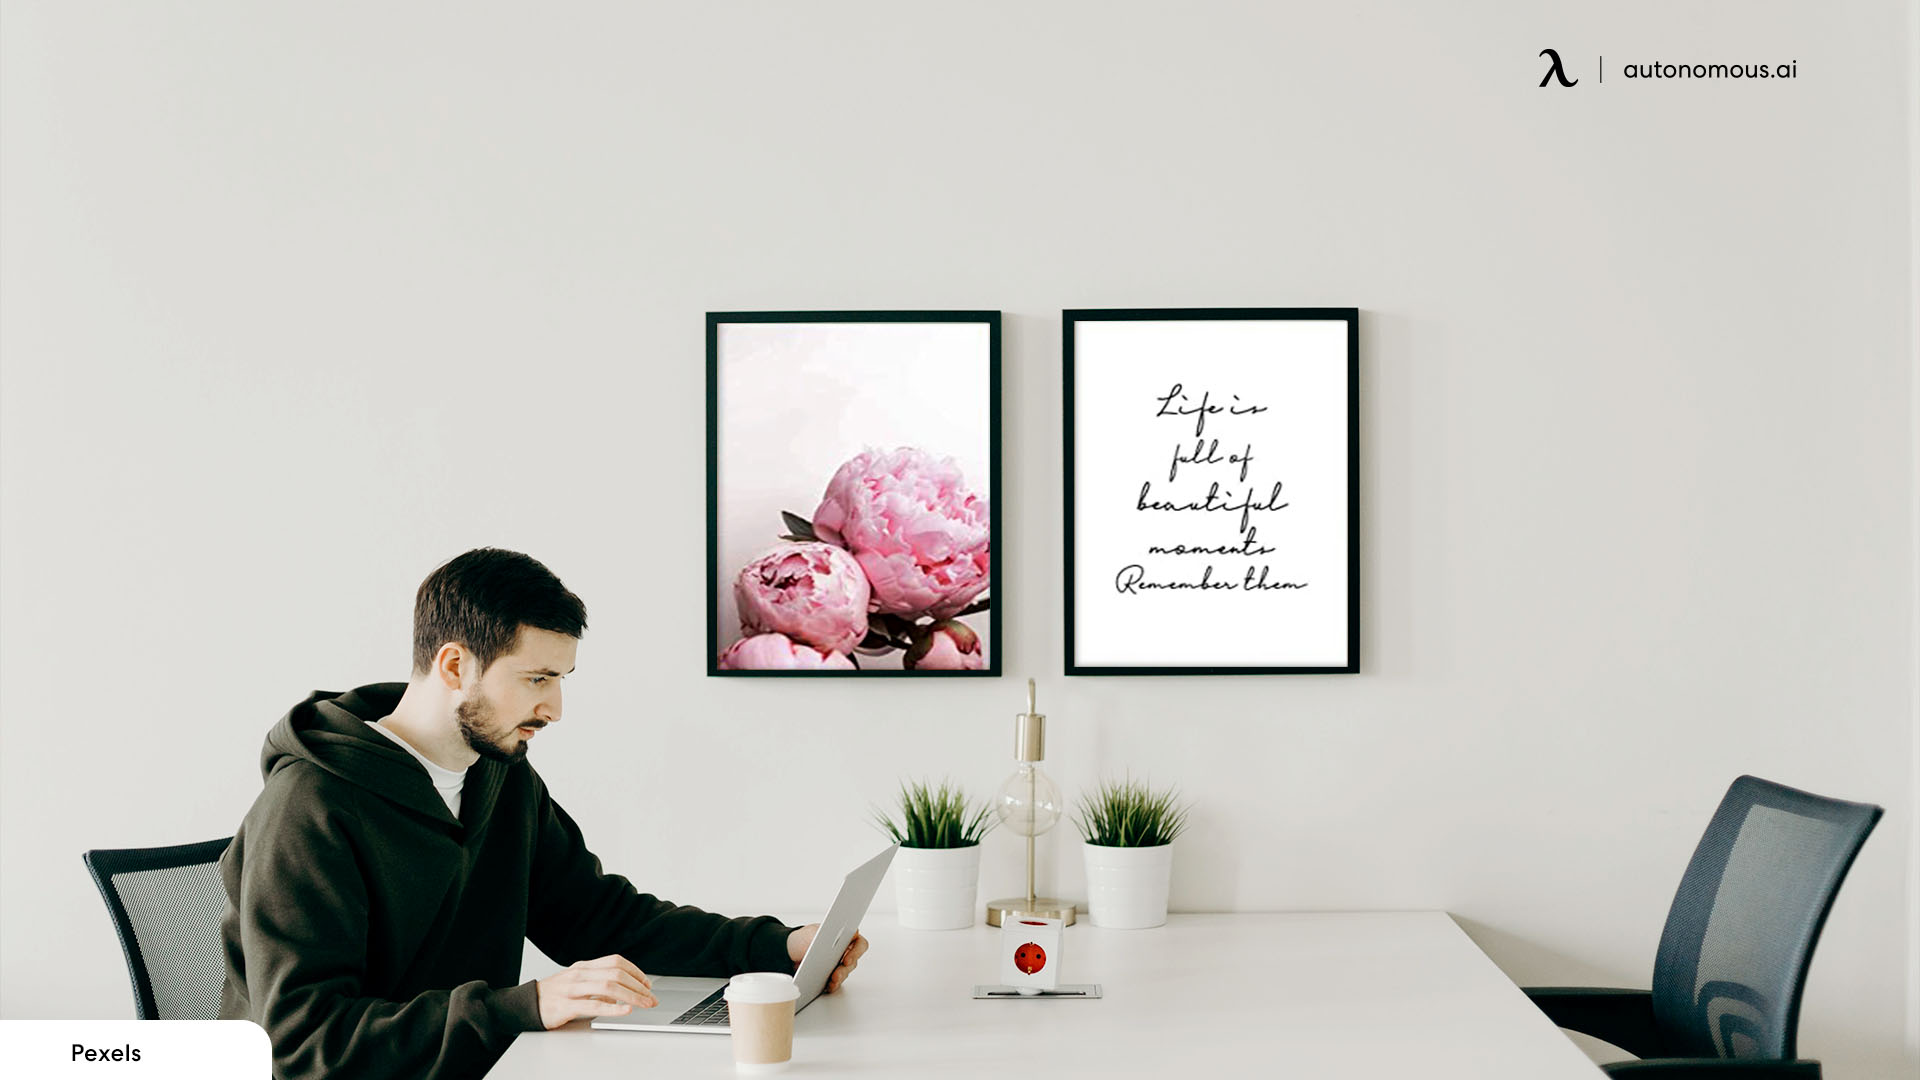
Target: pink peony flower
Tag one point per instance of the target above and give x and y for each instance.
(946, 646)
(813, 593)
(777, 652)
(916, 530)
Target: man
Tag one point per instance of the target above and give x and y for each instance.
(383, 883)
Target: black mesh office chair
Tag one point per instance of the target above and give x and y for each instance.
(1733, 958)
(166, 905)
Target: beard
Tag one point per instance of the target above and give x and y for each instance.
(476, 715)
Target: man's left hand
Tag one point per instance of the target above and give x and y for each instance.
(798, 941)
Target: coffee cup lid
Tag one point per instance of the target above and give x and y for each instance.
(761, 988)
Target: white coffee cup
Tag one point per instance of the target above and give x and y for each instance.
(760, 1016)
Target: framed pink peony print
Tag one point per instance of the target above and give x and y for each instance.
(853, 471)
(1212, 491)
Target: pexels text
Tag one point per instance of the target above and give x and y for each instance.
(118, 1053)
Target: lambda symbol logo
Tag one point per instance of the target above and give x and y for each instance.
(1555, 71)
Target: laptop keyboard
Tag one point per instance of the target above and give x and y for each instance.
(711, 1012)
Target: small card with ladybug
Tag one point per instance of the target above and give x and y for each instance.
(1030, 953)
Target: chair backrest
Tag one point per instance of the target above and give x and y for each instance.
(167, 904)
(1734, 955)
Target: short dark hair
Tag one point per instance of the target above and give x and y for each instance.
(480, 601)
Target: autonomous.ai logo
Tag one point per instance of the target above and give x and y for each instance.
(1555, 70)
(1730, 68)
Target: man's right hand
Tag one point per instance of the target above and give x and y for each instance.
(609, 986)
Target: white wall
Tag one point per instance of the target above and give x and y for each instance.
(301, 300)
(1913, 325)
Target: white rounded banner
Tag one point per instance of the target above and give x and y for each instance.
(149, 1049)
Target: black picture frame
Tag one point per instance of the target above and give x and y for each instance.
(996, 640)
(1071, 322)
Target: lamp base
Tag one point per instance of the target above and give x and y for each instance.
(1044, 907)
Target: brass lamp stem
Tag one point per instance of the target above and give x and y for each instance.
(1030, 839)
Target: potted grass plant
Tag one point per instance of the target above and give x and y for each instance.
(936, 872)
(1129, 829)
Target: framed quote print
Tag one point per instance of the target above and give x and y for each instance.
(853, 482)
(1212, 491)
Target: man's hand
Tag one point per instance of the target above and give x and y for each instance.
(798, 941)
(609, 986)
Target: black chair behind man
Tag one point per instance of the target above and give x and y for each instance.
(166, 904)
(1733, 958)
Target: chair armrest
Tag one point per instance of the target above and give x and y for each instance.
(1713, 1069)
(1621, 1017)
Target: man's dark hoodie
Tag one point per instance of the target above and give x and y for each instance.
(373, 935)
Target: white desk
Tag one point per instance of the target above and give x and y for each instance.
(1388, 994)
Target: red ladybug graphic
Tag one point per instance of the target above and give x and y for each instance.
(1029, 958)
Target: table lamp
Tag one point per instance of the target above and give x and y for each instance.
(1029, 804)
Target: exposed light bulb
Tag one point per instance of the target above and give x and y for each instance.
(1029, 803)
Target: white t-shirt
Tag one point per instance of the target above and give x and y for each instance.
(445, 781)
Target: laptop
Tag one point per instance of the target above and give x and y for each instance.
(695, 1005)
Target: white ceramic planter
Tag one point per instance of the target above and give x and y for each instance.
(937, 888)
(1127, 887)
